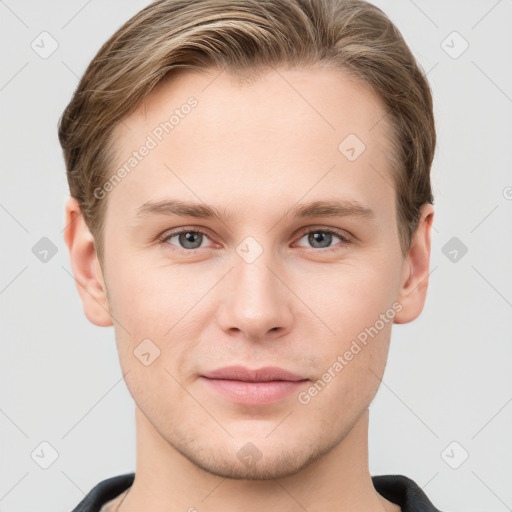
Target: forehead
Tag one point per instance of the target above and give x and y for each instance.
(296, 129)
(315, 94)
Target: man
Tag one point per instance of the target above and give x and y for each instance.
(251, 210)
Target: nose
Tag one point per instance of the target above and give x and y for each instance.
(255, 302)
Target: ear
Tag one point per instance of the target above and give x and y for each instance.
(86, 266)
(414, 284)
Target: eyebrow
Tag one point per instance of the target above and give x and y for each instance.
(333, 208)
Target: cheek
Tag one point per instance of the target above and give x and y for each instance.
(345, 299)
(159, 314)
(352, 367)
(145, 296)
(356, 304)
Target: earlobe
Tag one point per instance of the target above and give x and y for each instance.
(415, 276)
(85, 266)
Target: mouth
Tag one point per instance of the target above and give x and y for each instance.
(246, 386)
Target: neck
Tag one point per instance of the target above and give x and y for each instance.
(337, 481)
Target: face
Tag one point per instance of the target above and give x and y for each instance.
(258, 229)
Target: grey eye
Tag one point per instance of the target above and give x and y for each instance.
(321, 239)
(188, 239)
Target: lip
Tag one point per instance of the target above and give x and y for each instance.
(266, 374)
(260, 386)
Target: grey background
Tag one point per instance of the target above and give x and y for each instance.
(448, 376)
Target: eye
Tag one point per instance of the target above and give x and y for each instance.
(323, 238)
(186, 239)
(190, 239)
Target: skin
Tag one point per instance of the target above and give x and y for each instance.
(255, 150)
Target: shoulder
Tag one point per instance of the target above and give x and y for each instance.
(104, 492)
(404, 492)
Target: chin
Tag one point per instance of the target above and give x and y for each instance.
(250, 463)
(255, 457)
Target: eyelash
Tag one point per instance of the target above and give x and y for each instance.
(344, 239)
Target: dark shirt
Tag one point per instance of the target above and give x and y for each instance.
(396, 488)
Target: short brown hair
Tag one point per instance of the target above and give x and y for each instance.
(240, 37)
